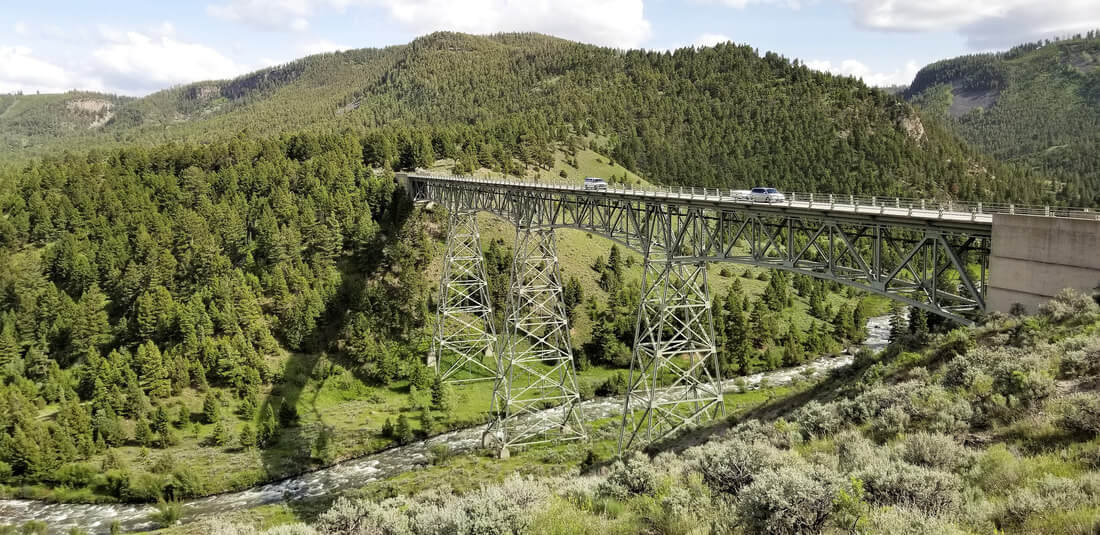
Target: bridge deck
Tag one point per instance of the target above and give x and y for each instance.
(962, 216)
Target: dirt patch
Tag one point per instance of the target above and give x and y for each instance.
(963, 102)
(88, 105)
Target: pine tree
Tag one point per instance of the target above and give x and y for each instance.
(615, 261)
(143, 435)
(388, 429)
(183, 416)
(918, 322)
(211, 409)
(221, 435)
(248, 437)
(91, 326)
(403, 431)
(288, 414)
(898, 326)
(265, 432)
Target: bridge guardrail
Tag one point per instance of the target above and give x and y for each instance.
(940, 208)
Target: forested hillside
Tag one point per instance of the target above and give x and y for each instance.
(1036, 105)
(719, 116)
(255, 307)
(30, 121)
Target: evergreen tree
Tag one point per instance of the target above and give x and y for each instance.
(221, 435)
(403, 432)
(211, 408)
(143, 434)
(248, 437)
(388, 429)
(265, 431)
(898, 325)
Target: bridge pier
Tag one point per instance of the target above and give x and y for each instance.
(536, 352)
(464, 333)
(674, 378)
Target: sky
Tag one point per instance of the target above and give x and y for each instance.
(138, 47)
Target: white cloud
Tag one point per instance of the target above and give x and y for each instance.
(986, 24)
(20, 70)
(741, 4)
(710, 39)
(618, 23)
(292, 15)
(134, 62)
(324, 45)
(857, 69)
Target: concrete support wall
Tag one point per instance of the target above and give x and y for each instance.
(1035, 257)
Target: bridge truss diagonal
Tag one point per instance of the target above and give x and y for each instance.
(464, 335)
(537, 370)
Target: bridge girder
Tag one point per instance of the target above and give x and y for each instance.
(939, 266)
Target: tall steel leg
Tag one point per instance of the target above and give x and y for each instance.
(536, 353)
(674, 379)
(462, 346)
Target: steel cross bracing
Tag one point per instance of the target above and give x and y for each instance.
(464, 334)
(674, 377)
(536, 354)
(935, 263)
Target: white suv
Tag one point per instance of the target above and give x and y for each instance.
(768, 195)
(595, 183)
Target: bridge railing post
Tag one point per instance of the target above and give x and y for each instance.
(832, 201)
(1046, 211)
(811, 200)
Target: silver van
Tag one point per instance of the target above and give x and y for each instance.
(595, 183)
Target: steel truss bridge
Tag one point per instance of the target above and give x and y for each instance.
(915, 252)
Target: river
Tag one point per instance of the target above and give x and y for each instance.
(349, 474)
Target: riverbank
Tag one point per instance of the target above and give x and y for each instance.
(355, 473)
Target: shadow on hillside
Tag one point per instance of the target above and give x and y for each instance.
(297, 448)
(827, 389)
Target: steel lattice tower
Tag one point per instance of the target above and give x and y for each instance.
(674, 379)
(536, 355)
(464, 335)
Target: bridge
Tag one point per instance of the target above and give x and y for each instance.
(933, 255)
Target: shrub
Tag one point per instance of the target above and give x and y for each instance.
(816, 419)
(997, 469)
(75, 474)
(144, 487)
(934, 450)
(1081, 357)
(440, 453)
(891, 422)
(1069, 305)
(1050, 493)
(854, 451)
(1081, 413)
(955, 343)
(633, 477)
(362, 517)
(168, 513)
(791, 500)
(727, 467)
(906, 521)
(902, 484)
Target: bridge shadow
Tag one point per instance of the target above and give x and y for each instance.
(304, 439)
